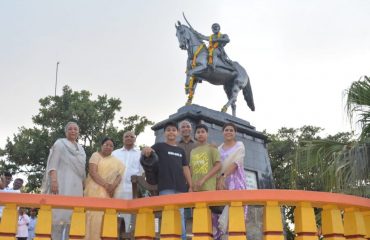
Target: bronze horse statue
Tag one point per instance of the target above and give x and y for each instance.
(230, 74)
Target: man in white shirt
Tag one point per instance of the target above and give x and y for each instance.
(130, 157)
(22, 228)
(17, 185)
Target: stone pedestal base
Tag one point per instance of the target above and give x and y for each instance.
(256, 162)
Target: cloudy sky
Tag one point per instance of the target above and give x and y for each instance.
(300, 56)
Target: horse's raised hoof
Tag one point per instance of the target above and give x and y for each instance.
(224, 109)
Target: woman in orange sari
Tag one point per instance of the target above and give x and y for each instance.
(105, 174)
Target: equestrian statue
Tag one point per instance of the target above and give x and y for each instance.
(212, 64)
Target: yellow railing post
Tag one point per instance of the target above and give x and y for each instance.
(43, 226)
(78, 224)
(367, 223)
(109, 230)
(354, 226)
(272, 222)
(171, 223)
(305, 223)
(144, 226)
(237, 230)
(332, 224)
(8, 226)
(202, 222)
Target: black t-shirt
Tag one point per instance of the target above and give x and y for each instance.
(171, 159)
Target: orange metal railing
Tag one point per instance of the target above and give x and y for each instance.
(343, 216)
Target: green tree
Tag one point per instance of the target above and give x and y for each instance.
(358, 104)
(282, 149)
(342, 163)
(28, 150)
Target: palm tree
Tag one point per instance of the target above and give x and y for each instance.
(342, 165)
(358, 102)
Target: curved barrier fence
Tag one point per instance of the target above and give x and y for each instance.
(342, 216)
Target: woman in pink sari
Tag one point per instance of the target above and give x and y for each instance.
(232, 176)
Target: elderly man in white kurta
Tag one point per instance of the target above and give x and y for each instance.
(130, 157)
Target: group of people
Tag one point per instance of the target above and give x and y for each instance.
(5, 180)
(175, 166)
(109, 176)
(196, 165)
(26, 223)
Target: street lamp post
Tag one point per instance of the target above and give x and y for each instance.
(56, 80)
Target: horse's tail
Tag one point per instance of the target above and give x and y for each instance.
(245, 81)
(248, 95)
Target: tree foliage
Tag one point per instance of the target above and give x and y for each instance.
(283, 149)
(343, 164)
(28, 149)
(358, 104)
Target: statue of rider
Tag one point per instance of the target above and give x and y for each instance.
(217, 42)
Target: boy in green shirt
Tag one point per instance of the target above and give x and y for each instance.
(204, 161)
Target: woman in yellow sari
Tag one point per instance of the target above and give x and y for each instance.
(105, 174)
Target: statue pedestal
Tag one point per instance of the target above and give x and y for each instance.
(256, 163)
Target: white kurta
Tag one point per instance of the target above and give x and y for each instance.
(131, 160)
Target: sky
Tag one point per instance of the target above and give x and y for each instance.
(300, 57)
